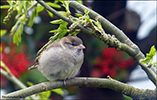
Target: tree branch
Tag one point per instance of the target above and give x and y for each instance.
(13, 79)
(125, 45)
(31, 7)
(137, 54)
(111, 28)
(85, 82)
(128, 46)
(106, 24)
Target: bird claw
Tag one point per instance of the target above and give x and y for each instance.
(64, 82)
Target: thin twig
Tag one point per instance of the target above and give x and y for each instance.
(32, 6)
(88, 30)
(35, 4)
(13, 79)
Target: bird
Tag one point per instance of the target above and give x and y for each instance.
(62, 59)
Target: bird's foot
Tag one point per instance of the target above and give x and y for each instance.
(64, 82)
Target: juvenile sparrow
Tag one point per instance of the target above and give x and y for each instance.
(62, 59)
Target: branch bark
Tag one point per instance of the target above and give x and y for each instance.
(85, 82)
(127, 45)
(13, 79)
(137, 54)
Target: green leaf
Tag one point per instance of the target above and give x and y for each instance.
(86, 12)
(45, 95)
(24, 20)
(78, 15)
(56, 1)
(149, 56)
(79, 1)
(73, 25)
(25, 6)
(17, 29)
(40, 8)
(86, 16)
(50, 14)
(17, 35)
(9, 1)
(5, 67)
(98, 24)
(3, 32)
(31, 19)
(5, 6)
(58, 91)
(154, 64)
(152, 50)
(53, 38)
(30, 83)
(63, 13)
(145, 61)
(19, 7)
(53, 31)
(13, 28)
(66, 5)
(62, 1)
(56, 21)
(62, 29)
(53, 5)
(36, 12)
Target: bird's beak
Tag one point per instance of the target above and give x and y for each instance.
(81, 46)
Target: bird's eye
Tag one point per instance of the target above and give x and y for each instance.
(73, 44)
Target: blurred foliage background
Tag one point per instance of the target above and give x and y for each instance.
(99, 61)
